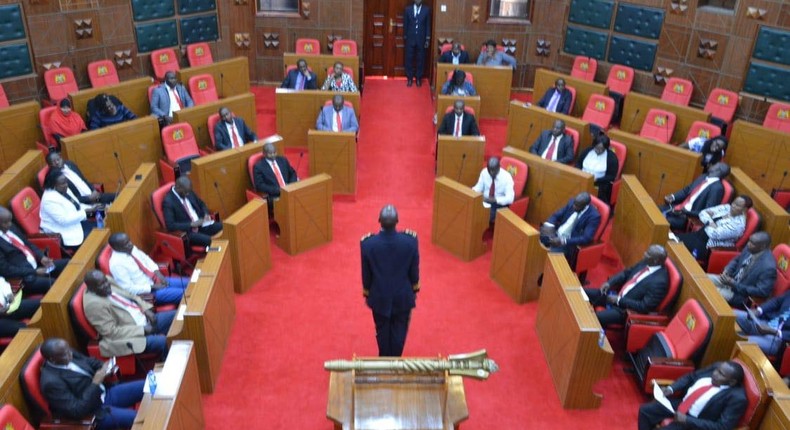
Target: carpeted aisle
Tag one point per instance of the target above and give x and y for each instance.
(309, 308)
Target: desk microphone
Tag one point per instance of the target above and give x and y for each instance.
(299, 163)
(781, 183)
(529, 134)
(118, 164)
(167, 245)
(221, 84)
(667, 132)
(633, 118)
(461, 169)
(221, 200)
(639, 165)
(661, 183)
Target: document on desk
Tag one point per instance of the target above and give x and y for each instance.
(658, 394)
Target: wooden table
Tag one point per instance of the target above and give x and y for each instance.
(304, 213)
(247, 232)
(460, 158)
(22, 173)
(637, 105)
(637, 222)
(517, 258)
(334, 153)
(132, 212)
(459, 219)
(25, 343)
(762, 153)
(19, 131)
(525, 124)
(231, 77)
(491, 82)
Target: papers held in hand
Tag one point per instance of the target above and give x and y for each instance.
(8, 300)
(207, 222)
(658, 394)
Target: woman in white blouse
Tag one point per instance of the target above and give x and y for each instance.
(724, 225)
(600, 162)
(61, 212)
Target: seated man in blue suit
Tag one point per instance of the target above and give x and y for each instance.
(573, 225)
(300, 78)
(554, 144)
(231, 132)
(169, 97)
(337, 117)
(557, 99)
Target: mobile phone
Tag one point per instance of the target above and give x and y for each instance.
(213, 248)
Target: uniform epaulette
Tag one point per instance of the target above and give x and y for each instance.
(366, 236)
(411, 233)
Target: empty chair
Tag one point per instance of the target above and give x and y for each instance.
(180, 147)
(520, 173)
(721, 105)
(584, 68)
(202, 89)
(163, 61)
(344, 48)
(678, 91)
(308, 46)
(619, 81)
(573, 99)
(199, 54)
(599, 112)
(659, 125)
(778, 117)
(102, 73)
(3, 98)
(60, 82)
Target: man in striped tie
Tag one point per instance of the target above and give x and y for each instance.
(714, 399)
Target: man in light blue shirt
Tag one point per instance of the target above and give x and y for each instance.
(492, 57)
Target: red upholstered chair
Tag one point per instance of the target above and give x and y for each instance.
(778, 117)
(469, 77)
(308, 46)
(574, 134)
(782, 197)
(60, 82)
(520, 173)
(782, 257)
(584, 68)
(659, 125)
(344, 48)
(599, 111)
(44, 118)
(346, 69)
(30, 380)
(25, 206)
(3, 98)
(163, 61)
(203, 89)
(42, 174)
(251, 192)
(212, 121)
(180, 147)
(722, 105)
(172, 245)
(151, 89)
(102, 73)
(573, 98)
(589, 256)
(720, 256)
(199, 54)
(447, 47)
(620, 151)
(449, 109)
(483, 48)
(702, 129)
(678, 91)
(620, 79)
(670, 350)
(11, 419)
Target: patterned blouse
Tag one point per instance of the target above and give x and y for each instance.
(728, 228)
(346, 84)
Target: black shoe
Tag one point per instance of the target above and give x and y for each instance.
(419, 82)
(409, 82)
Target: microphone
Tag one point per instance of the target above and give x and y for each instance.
(299, 163)
(661, 184)
(667, 132)
(639, 166)
(781, 183)
(461, 169)
(529, 133)
(118, 165)
(633, 118)
(222, 84)
(221, 201)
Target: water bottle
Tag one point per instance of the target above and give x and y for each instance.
(99, 220)
(151, 382)
(601, 338)
(694, 253)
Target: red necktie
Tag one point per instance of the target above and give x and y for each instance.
(631, 282)
(233, 132)
(277, 174)
(552, 147)
(686, 404)
(142, 267)
(338, 121)
(458, 120)
(492, 190)
(692, 194)
(21, 246)
(178, 99)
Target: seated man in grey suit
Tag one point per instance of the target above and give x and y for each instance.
(300, 78)
(231, 132)
(337, 117)
(571, 226)
(169, 97)
(750, 274)
(554, 144)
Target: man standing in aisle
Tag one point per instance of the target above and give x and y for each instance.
(417, 36)
(390, 280)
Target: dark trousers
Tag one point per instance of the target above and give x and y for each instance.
(119, 404)
(157, 343)
(677, 220)
(495, 207)
(11, 323)
(35, 284)
(651, 414)
(697, 243)
(202, 237)
(606, 317)
(391, 332)
(414, 53)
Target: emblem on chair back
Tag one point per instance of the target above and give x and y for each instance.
(621, 75)
(723, 100)
(202, 85)
(660, 120)
(512, 169)
(178, 134)
(101, 70)
(164, 58)
(678, 88)
(27, 203)
(308, 47)
(584, 66)
(345, 49)
(600, 105)
(704, 133)
(199, 51)
(691, 322)
(60, 78)
(781, 264)
(782, 114)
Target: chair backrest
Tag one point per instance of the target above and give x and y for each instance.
(30, 379)
(499, 48)
(77, 312)
(60, 82)
(308, 46)
(469, 77)
(178, 141)
(203, 89)
(11, 419)
(659, 125)
(518, 170)
(346, 69)
(782, 257)
(584, 68)
(199, 54)
(344, 48)
(573, 98)
(151, 89)
(754, 395)
(445, 47)
(345, 103)
(778, 117)
(212, 121)
(103, 259)
(752, 224)
(605, 211)
(678, 91)
(163, 61)
(254, 158)
(673, 289)
(702, 129)
(620, 151)
(620, 79)
(44, 118)
(25, 207)
(729, 191)
(467, 109)
(42, 174)
(3, 98)
(102, 73)
(722, 104)
(599, 110)
(688, 330)
(157, 197)
(574, 134)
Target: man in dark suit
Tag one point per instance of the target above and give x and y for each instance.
(698, 409)
(769, 331)
(169, 97)
(554, 144)
(455, 56)
(459, 123)
(231, 132)
(417, 38)
(77, 183)
(572, 226)
(752, 273)
(271, 173)
(706, 191)
(557, 99)
(20, 259)
(390, 280)
(300, 78)
(642, 287)
(73, 386)
(185, 211)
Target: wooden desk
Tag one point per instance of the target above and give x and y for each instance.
(459, 219)
(242, 106)
(460, 158)
(774, 218)
(209, 315)
(492, 85)
(768, 381)
(132, 93)
(697, 285)
(518, 258)
(297, 112)
(576, 350)
(23, 173)
(25, 343)
(231, 77)
(132, 213)
(661, 168)
(762, 153)
(637, 105)
(560, 183)
(443, 102)
(638, 223)
(247, 232)
(111, 154)
(184, 409)
(304, 213)
(336, 155)
(19, 131)
(525, 124)
(544, 79)
(320, 63)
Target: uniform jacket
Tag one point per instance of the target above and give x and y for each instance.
(390, 271)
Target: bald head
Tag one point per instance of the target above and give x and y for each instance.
(493, 166)
(581, 201)
(758, 242)
(183, 186)
(655, 255)
(5, 219)
(388, 217)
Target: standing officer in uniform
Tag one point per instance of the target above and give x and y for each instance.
(390, 280)
(417, 35)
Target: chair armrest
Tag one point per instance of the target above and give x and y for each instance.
(650, 317)
(638, 333)
(718, 260)
(520, 206)
(171, 244)
(588, 256)
(665, 368)
(48, 242)
(669, 362)
(167, 170)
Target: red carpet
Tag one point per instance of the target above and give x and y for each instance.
(309, 308)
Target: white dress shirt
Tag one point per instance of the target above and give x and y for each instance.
(174, 107)
(703, 400)
(127, 273)
(232, 129)
(643, 275)
(129, 306)
(556, 140)
(692, 198)
(30, 257)
(503, 187)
